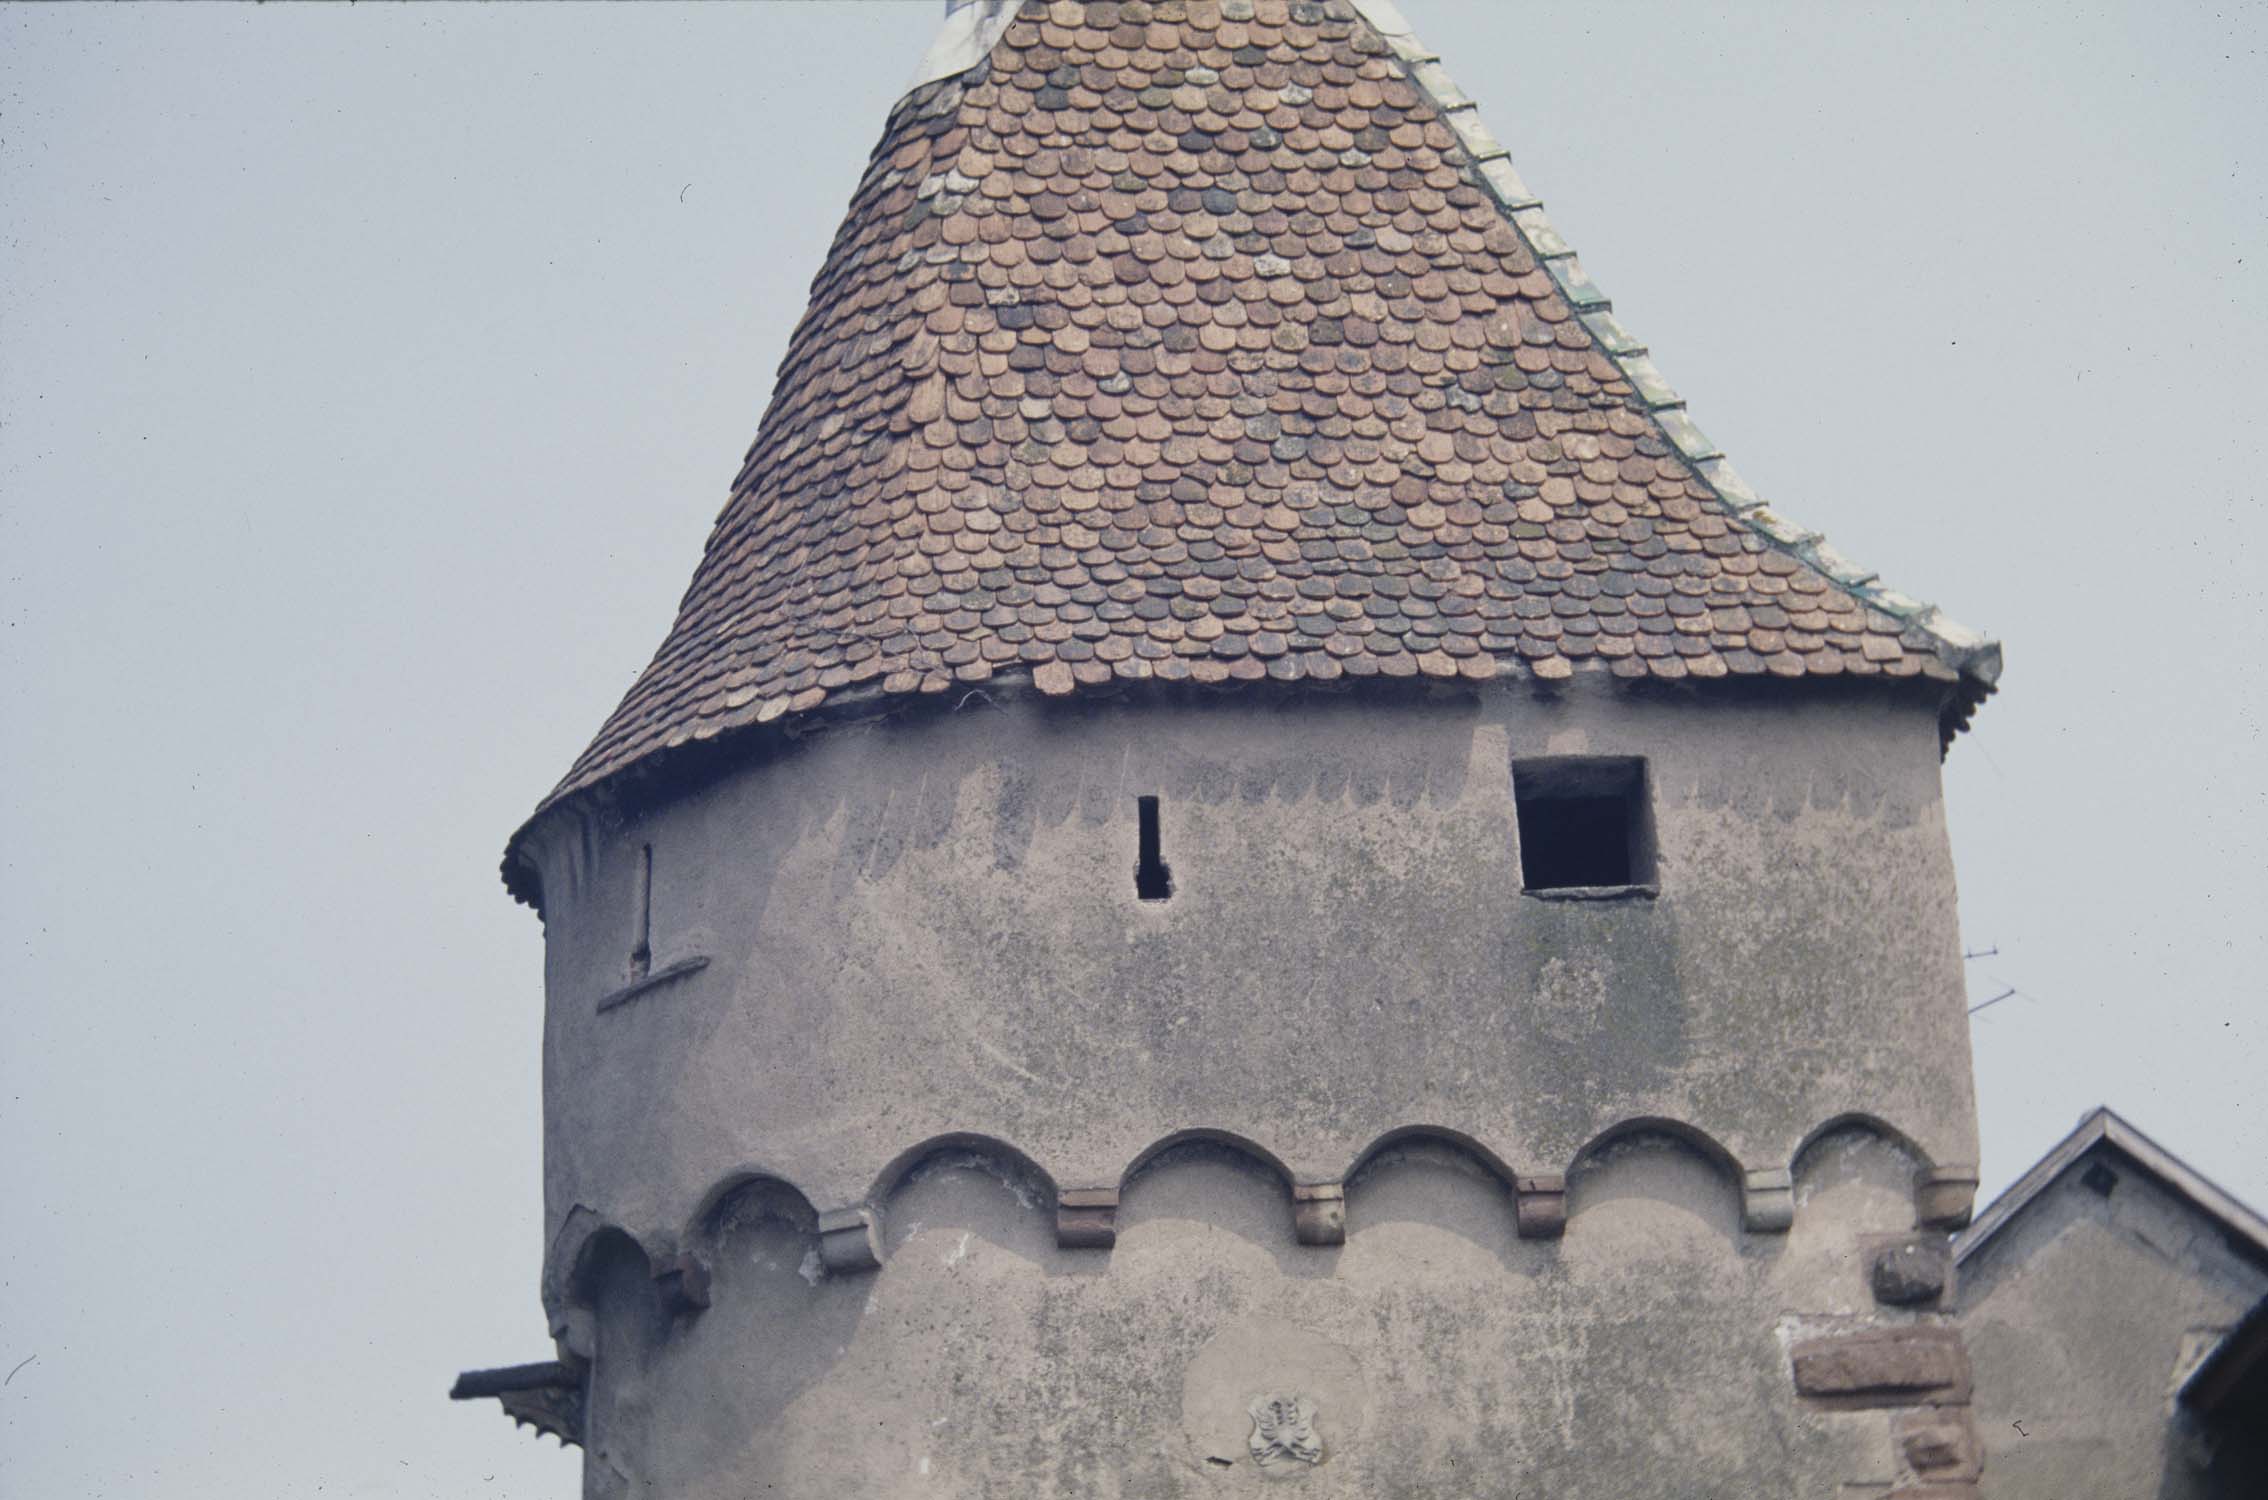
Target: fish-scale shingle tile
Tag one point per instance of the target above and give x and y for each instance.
(1215, 341)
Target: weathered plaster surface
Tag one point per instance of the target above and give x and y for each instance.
(933, 1002)
(1642, 1356)
(2083, 1315)
(918, 931)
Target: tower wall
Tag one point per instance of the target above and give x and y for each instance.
(1333, 1100)
(933, 929)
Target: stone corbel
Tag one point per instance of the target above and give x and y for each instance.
(1086, 1218)
(1319, 1212)
(682, 1283)
(850, 1239)
(1944, 1197)
(1767, 1200)
(1539, 1206)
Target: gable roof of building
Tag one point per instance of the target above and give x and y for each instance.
(2103, 1127)
(1217, 341)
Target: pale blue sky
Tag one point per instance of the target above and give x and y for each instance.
(369, 378)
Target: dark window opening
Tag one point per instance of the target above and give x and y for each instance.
(1153, 877)
(642, 943)
(2099, 1179)
(1584, 824)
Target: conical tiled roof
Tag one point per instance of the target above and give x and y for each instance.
(1215, 341)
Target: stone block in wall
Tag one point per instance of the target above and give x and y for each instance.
(1938, 1444)
(1909, 1270)
(1919, 1365)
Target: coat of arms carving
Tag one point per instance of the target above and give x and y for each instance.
(1283, 1431)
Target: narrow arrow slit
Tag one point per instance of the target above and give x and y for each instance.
(1153, 877)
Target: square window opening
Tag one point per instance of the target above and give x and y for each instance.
(1585, 825)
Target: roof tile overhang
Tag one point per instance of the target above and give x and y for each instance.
(1217, 341)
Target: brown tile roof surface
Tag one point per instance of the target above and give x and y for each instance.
(1190, 342)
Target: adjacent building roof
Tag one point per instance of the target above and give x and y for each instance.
(2233, 1377)
(1216, 341)
(2103, 1127)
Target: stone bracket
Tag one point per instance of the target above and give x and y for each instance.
(1319, 1212)
(1944, 1197)
(850, 1239)
(1539, 1206)
(683, 1284)
(1086, 1218)
(547, 1397)
(1767, 1200)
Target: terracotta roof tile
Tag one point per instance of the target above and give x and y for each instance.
(1215, 341)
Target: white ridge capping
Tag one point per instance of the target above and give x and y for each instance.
(1384, 16)
(1968, 651)
(966, 38)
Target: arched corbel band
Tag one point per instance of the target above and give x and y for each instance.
(564, 1265)
(1539, 1199)
(1945, 1193)
(850, 1239)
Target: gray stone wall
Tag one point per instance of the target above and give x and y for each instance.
(1320, 1115)
(913, 931)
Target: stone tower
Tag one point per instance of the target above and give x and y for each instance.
(1249, 861)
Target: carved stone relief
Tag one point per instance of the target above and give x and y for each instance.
(1269, 1399)
(1283, 1431)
